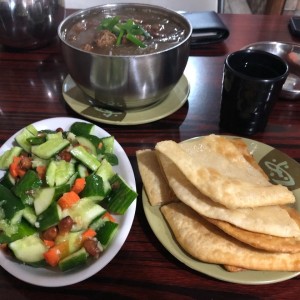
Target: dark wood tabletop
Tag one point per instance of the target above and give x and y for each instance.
(31, 90)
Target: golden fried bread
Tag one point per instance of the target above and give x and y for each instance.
(227, 189)
(209, 244)
(154, 181)
(259, 240)
(271, 220)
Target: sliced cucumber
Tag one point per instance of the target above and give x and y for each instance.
(83, 213)
(105, 229)
(108, 143)
(106, 233)
(28, 132)
(29, 249)
(120, 197)
(74, 260)
(9, 203)
(86, 158)
(7, 180)
(49, 148)
(72, 180)
(11, 233)
(105, 170)
(59, 172)
(87, 144)
(54, 135)
(95, 188)
(111, 158)
(82, 128)
(82, 170)
(43, 199)
(7, 157)
(37, 161)
(31, 128)
(26, 186)
(50, 217)
(29, 214)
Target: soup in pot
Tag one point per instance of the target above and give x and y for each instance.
(134, 32)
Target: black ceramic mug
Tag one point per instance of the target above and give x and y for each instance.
(252, 82)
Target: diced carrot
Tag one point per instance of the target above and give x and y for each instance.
(78, 185)
(56, 253)
(109, 217)
(49, 243)
(52, 256)
(88, 234)
(68, 199)
(41, 171)
(15, 169)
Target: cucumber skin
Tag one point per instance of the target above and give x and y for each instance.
(86, 158)
(59, 172)
(7, 180)
(9, 203)
(23, 229)
(28, 132)
(50, 217)
(7, 157)
(30, 181)
(82, 128)
(120, 197)
(84, 212)
(106, 233)
(56, 145)
(73, 260)
(94, 187)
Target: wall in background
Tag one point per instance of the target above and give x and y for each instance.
(291, 7)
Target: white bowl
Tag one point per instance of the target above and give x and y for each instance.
(52, 277)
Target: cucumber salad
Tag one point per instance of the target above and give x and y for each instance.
(60, 195)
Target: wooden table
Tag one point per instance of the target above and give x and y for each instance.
(31, 90)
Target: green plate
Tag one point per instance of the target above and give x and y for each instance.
(280, 169)
(83, 105)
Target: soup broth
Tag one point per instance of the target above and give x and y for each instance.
(164, 33)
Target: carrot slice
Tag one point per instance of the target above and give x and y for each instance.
(109, 217)
(88, 234)
(68, 199)
(78, 185)
(41, 171)
(56, 253)
(15, 169)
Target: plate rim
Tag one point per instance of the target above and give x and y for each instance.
(56, 278)
(143, 119)
(212, 270)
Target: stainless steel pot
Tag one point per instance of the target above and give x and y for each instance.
(126, 82)
(28, 24)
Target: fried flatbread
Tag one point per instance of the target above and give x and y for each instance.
(243, 149)
(261, 241)
(209, 244)
(227, 189)
(233, 269)
(271, 220)
(230, 157)
(155, 184)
